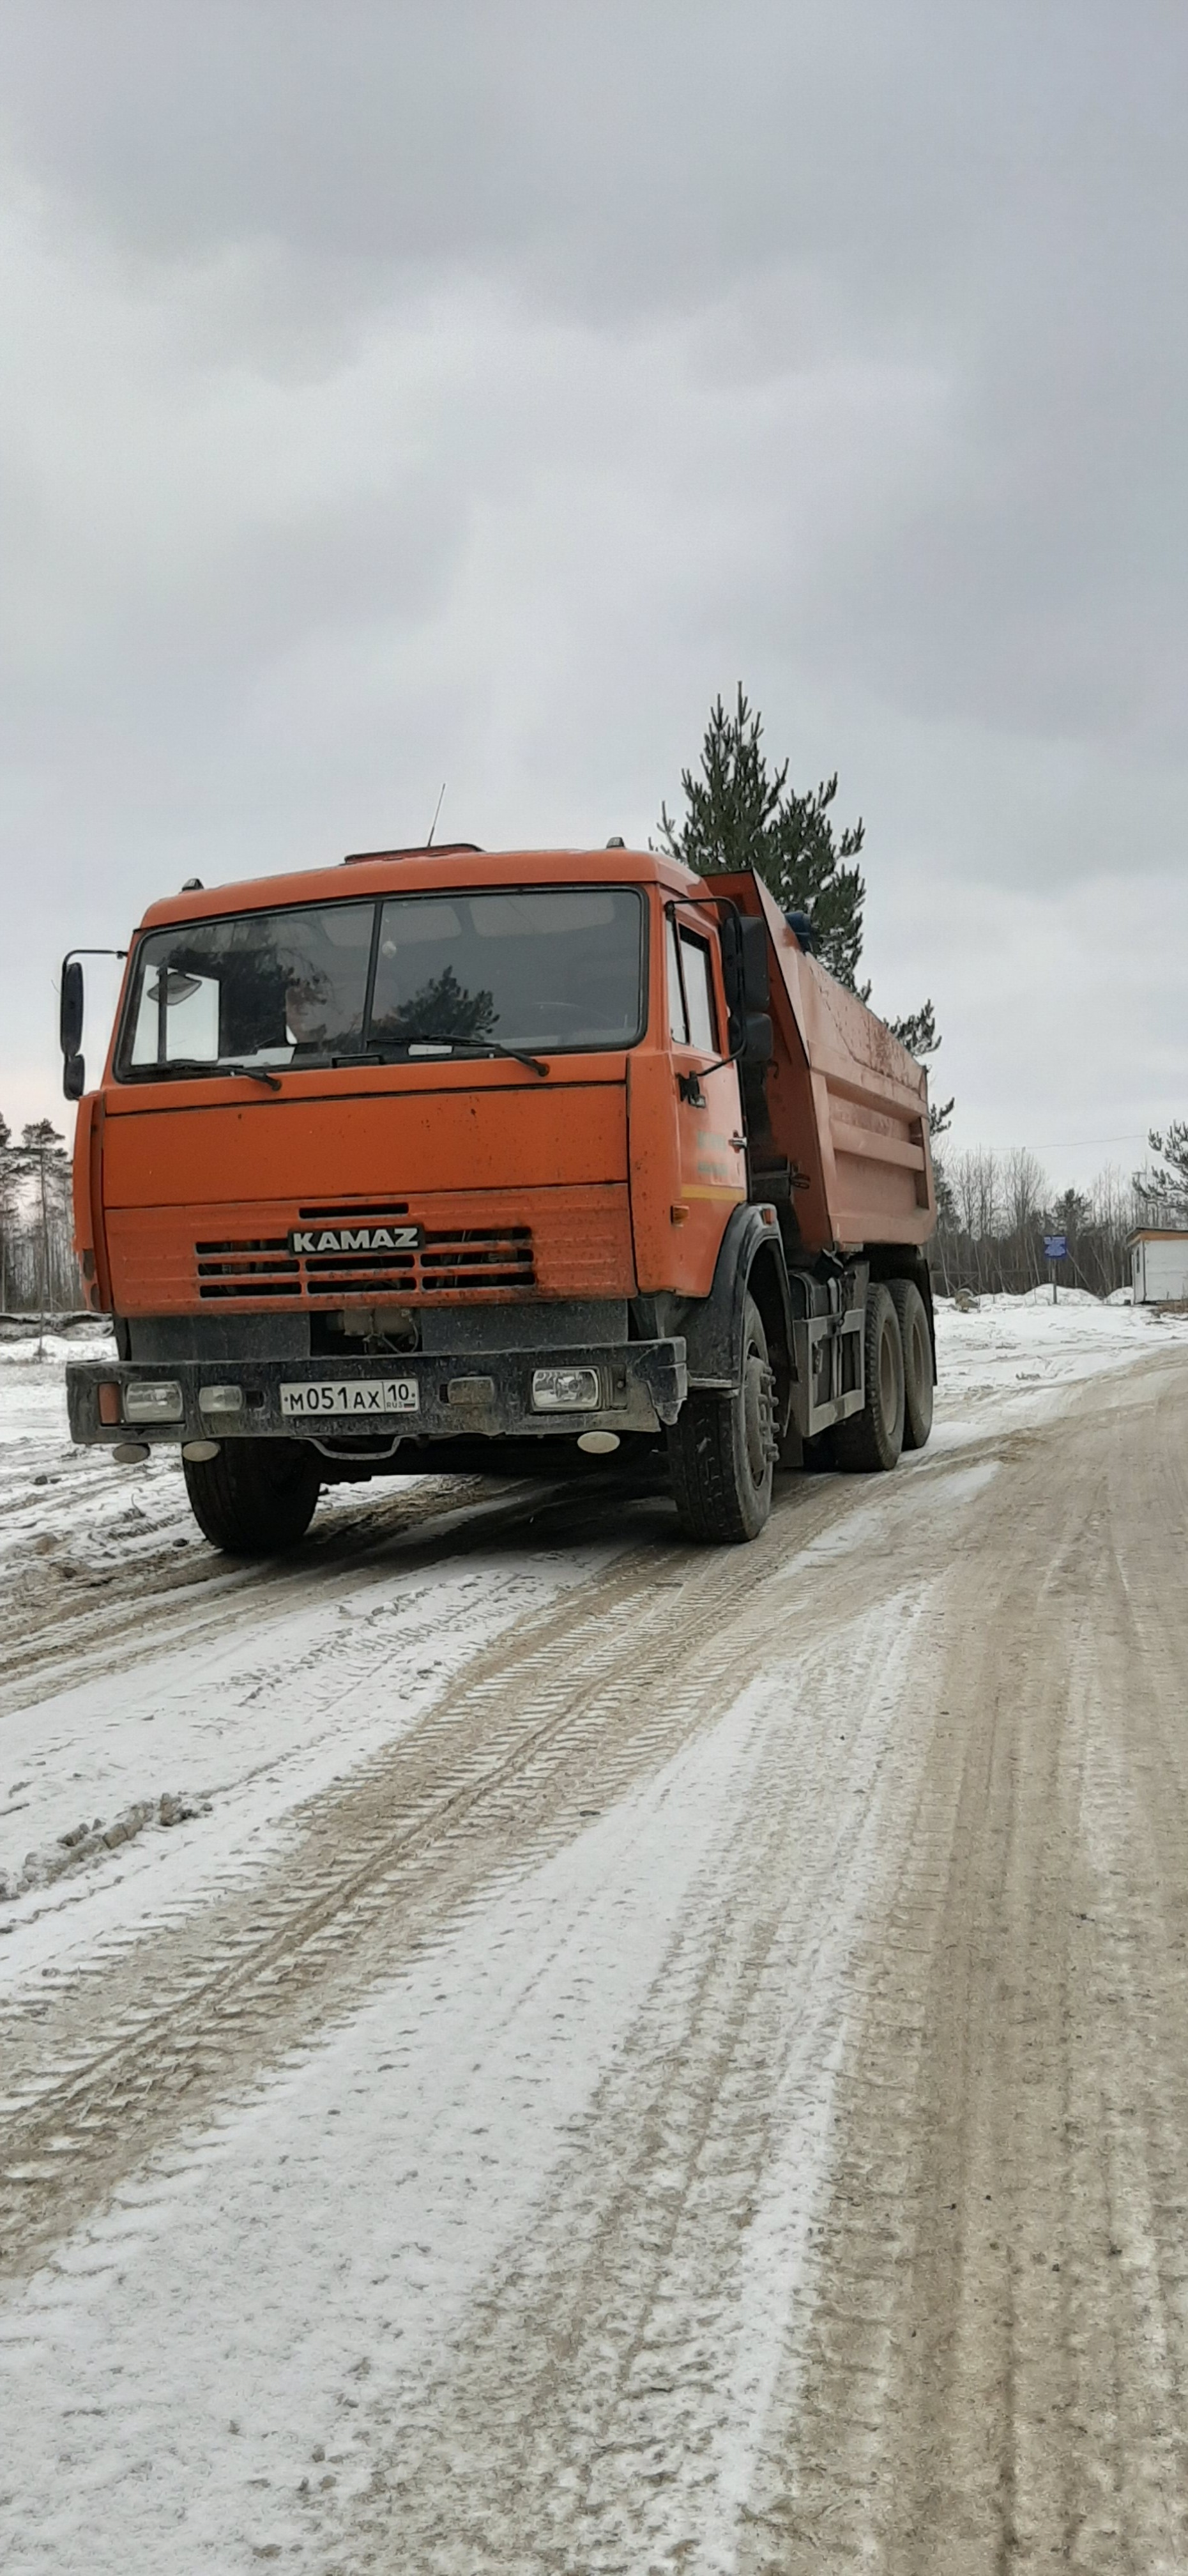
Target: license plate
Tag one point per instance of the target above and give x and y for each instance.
(348, 1397)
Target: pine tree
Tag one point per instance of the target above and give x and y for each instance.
(740, 814)
(1163, 1189)
(42, 1151)
(919, 1034)
(1070, 1215)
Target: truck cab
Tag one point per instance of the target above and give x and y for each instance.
(447, 1158)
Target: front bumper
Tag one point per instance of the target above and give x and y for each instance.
(483, 1395)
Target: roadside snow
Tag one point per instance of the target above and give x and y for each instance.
(1013, 1359)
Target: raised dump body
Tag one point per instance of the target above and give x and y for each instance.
(453, 1158)
(847, 1104)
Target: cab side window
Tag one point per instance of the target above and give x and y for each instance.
(699, 992)
(690, 989)
(677, 1027)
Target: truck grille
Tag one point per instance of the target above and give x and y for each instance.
(470, 1261)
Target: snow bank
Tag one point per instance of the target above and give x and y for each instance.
(1009, 1359)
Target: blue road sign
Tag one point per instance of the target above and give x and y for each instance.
(1055, 1247)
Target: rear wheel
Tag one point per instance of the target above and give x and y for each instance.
(256, 1498)
(917, 1361)
(722, 1450)
(872, 1440)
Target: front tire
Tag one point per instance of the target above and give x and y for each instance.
(917, 1362)
(257, 1498)
(871, 1440)
(722, 1450)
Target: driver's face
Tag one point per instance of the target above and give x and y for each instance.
(304, 1013)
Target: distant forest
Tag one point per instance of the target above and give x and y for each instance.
(995, 1209)
(38, 1271)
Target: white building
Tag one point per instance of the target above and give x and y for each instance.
(1159, 1265)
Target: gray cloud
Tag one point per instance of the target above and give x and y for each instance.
(473, 391)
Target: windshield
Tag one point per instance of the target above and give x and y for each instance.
(557, 967)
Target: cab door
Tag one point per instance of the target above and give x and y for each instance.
(712, 1168)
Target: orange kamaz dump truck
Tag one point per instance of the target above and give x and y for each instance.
(444, 1159)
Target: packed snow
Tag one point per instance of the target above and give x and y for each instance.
(250, 1703)
(248, 1723)
(202, 2374)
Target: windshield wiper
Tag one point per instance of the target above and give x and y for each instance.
(254, 1073)
(180, 1065)
(381, 1054)
(478, 1046)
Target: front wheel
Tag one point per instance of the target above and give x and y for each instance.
(873, 1438)
(722, 1450)
(257, 1498)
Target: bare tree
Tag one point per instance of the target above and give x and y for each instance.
(1024, 1189)
(991, 1221)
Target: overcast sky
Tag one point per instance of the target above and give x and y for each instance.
(404, 392)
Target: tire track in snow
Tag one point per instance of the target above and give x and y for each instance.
(602, 2407)
(64, 1621)
(997, 2363)
(448, 2171)
(591, 1696)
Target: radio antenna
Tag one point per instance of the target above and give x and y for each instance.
(436, 812)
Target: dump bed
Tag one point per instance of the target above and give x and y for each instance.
(848, 1105)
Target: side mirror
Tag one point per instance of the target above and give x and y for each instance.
(70, 1019)
(74, 1076)
(758, 1039)
(745, 974)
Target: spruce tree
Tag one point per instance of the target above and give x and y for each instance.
(741, 814)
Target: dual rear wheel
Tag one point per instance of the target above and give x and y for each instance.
(722, 1449)
(897, 1350)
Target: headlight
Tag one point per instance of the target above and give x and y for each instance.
(153, 1400)
(558, 1390)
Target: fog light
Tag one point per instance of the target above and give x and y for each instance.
(200, 1450)
(598, 1444)
(131, 1453)
(220, 1399)
(153, 1400)
(558, 1390)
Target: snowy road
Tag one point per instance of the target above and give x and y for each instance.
(627, 2058)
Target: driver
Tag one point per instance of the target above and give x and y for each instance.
(305, 1014)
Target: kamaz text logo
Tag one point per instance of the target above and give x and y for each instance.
(356, 1238)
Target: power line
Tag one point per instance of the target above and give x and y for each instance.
(1073, 1144)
